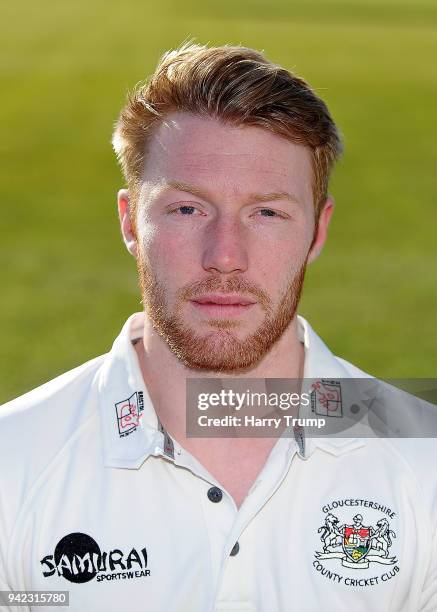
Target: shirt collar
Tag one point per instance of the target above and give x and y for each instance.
(320, 363)
(130, 427)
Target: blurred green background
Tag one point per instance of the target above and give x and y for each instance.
(67, 282)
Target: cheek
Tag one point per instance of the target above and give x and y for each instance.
(277, 266)
(147, 234)
(169, 253)
(281, 257)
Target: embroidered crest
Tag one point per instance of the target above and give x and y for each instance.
(356, 548)
(326, 398)
(357, 545)
(129, 412)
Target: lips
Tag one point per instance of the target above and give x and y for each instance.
(219, 306)
(223, 300)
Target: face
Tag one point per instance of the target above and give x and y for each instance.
(224, 230)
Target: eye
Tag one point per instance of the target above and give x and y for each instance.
(185, 210)
(268, 212)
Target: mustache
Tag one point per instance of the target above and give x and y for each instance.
(230, 285)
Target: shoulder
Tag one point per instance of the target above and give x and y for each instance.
(412, 462)
(60, 394)
(36, 426)
(352, 370)
(410, 438)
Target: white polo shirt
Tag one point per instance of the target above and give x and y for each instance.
(111, 509)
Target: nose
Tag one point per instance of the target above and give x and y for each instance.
(225, 249)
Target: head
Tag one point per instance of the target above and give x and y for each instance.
(358, 519)
(227, 159)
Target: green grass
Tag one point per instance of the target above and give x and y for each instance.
(68, 283)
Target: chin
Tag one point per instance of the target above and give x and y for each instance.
(219, 351)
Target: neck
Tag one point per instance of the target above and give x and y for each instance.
(233, 462)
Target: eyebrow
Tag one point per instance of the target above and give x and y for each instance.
(255, 197)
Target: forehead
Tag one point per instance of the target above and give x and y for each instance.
(207, 152)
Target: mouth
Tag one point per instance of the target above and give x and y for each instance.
(216, 305)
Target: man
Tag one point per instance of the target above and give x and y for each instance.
(102, 492)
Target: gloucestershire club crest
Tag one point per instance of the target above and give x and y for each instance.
(356, 544)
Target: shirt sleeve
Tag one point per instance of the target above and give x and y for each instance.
(8, 509)
(4, 584)
(428, 601)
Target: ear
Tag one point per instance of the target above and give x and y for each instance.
(322, 229)
(127, 229)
